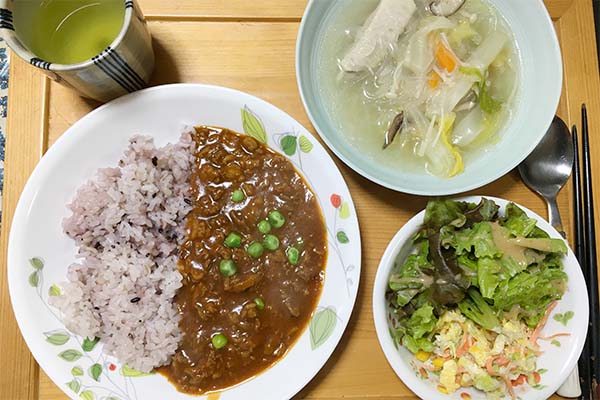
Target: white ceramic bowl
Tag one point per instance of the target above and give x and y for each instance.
(559, 362)
(539, 93)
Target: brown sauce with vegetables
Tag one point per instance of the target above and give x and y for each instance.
(252, 263)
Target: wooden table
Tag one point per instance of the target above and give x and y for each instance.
(250, 46)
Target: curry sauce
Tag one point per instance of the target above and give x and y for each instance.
(252, 263)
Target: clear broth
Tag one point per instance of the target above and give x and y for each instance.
(364, 121)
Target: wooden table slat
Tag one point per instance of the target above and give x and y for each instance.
(255, 53)
(23, 151)
(267, 9)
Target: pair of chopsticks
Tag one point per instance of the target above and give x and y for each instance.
(585, 250)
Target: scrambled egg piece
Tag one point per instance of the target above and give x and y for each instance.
(448, 376)
(450, 332)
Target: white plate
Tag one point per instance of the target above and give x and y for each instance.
(98, 140)
(557, 360)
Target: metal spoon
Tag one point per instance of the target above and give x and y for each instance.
(545, 171)
(548, 167)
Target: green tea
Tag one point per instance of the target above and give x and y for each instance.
(68, 31)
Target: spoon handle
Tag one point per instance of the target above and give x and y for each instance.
(554, 215)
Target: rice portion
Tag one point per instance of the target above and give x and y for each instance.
(128, 222)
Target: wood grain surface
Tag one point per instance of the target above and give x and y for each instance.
(255, 53)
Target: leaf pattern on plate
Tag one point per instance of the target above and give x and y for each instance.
(34, 279)
(70, 355)
(89, 344)
(305, 144)
(321, 326)
(74, 385)
(57, 338)
(87, 395)
(77, 371)
(54, 291)
(95, 371)
(345, 210)
(288, 144)
(342, 238)
(564, 318)
(36, 263)
(253, 126)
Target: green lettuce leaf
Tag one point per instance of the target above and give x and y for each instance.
(411, 278)
(511, 267)
(418, 328)
(421, 322)
(445, 212)
(469, 265)
(517, 222)
(478, 310)
(488, 209)
(533, 290)
(414, 345)
(489, 276)
(478, 238)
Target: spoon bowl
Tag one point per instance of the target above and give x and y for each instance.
(548, 167)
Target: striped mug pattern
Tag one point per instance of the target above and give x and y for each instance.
(123, 67)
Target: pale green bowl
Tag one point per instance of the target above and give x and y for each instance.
(540, 88)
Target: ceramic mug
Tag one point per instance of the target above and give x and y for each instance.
(124, 66)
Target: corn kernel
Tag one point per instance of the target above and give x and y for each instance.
(422, 355)
(438, 362)
(442, 389)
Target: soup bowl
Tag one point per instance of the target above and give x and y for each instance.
(539, 89)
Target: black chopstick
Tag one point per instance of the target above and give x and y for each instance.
(584, 360)
(578, 210)
(590, 251)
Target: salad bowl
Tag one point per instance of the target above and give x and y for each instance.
(563, 332)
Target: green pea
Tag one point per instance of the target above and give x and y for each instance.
(238, 196)
(264, 226)
(260, 304)
(255, 249)
(233, 240)
(293, 255)
(271, 242)
(227, 267)
(276, 219)
(219, 341)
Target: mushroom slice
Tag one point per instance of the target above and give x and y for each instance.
(393, 130)
(445, 8)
